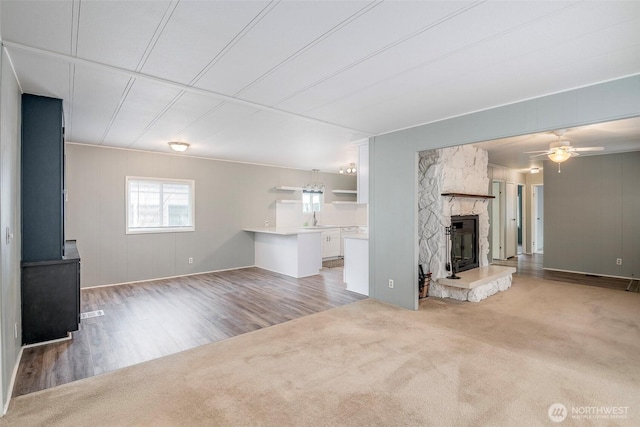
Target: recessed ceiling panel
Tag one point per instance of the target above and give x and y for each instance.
(284, 141)
(198, 32)
(119, 33)
(176, 123)
(40, 24)
(220, 117)
(284, 31)
(372, 32)
(41, 75)
(427, 49)
(142, 104)
(96, 95)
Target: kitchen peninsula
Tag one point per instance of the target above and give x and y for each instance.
(296, 252)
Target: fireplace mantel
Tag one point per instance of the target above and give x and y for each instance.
(469, 196)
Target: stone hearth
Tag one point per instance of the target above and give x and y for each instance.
(474, 285)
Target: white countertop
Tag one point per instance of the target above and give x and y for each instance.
(360, 236)
(284, 231)
(287, 231)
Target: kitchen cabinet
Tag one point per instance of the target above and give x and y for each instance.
(356, 263)
(331, 243)
(345, 232)
(50, 295)
(293, 252)
(50, 267)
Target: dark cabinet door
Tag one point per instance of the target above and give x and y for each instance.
(42, 178)
(50, 300)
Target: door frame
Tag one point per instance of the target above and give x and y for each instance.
(523, 217)
(534, 219)
(500, 216)
(510, 201)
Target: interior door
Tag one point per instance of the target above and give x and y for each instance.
(512, 223)
(497, 251)
(538, 202)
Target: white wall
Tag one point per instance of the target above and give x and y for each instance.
(9, 220)
(229, 196)
(291, 215)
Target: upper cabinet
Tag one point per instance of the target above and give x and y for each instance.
(363, 173)
(42, 178)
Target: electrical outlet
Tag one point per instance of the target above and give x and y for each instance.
(391, 283)
(266, 223)
(190, 260)
(618, 261)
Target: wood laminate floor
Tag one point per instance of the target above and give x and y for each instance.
(148, 320)
(531, 266)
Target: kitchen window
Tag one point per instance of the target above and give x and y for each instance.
(311, 201)
(159, 205)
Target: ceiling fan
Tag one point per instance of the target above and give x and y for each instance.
(561, 150)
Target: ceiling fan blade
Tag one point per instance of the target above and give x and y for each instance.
(588, 149)
(539, 151)
(539, 155)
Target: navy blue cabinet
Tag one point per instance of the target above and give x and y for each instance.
(42, 178)
(50, 283)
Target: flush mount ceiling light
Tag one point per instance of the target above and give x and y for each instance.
(178, 146)
(535, 170)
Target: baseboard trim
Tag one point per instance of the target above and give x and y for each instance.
(590, 274)
(57, 340)
(167, 277)
(13, 381)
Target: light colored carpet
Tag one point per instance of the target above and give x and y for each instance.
(502, 361)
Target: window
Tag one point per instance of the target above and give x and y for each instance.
(159, 205)
(311, 201)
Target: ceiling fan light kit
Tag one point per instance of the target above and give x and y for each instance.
(561, 150)
(560, 155)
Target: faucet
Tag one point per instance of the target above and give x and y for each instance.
(315, 221)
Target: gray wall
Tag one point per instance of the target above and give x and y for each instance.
(229, 196)
(393, 182)
(9, 219)
(592, 215)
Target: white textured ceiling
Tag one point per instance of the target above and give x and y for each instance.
(299, 83)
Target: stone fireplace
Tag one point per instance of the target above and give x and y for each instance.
(448, 179)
